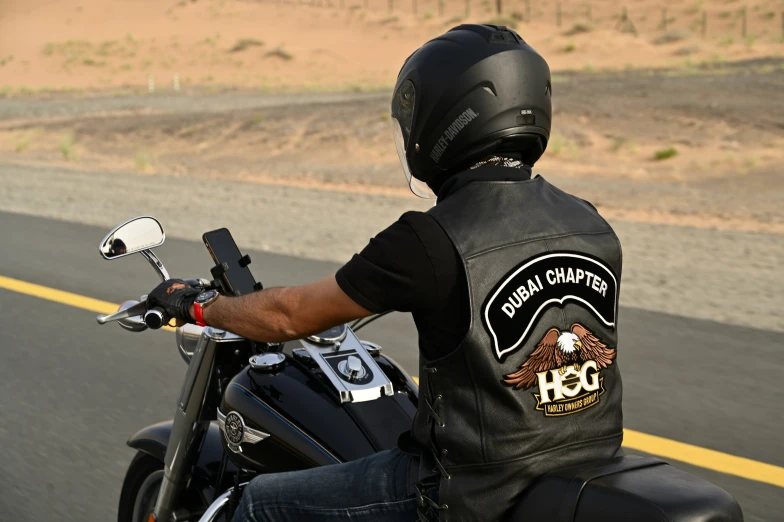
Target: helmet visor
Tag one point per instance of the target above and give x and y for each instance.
(402, 112)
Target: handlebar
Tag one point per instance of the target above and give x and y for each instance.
(136, 309)
(156, 317)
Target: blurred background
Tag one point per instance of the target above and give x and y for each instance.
(271, 118)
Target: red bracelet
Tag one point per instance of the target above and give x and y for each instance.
(198, 314)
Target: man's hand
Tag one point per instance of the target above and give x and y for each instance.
(176, 297)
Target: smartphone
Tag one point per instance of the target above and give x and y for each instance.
(237, 280)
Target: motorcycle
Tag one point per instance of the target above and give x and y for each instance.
(247, 408)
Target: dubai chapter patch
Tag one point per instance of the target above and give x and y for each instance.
(518, 301)
(566, 367)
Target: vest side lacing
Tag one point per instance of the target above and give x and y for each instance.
(427, 508)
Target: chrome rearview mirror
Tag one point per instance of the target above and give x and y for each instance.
(136, 235)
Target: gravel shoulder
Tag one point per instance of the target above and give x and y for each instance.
(718, 133)
(724, 276)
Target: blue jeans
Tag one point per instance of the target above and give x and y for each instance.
(375, 488)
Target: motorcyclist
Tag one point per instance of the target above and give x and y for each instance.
(116, 248)
(512, 284)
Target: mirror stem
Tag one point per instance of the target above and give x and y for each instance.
(156, 264)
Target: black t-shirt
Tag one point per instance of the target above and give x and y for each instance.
(412, 266)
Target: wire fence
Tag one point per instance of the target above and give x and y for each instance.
(726, 20)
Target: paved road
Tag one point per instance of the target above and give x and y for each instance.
(75, 391)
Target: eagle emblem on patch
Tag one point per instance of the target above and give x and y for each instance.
(566, 366)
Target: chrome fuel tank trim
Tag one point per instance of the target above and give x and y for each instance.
(343, 363)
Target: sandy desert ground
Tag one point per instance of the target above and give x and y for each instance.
(282, 113)
(318, 45)
(723, 128)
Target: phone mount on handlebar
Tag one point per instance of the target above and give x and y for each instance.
(219, 272)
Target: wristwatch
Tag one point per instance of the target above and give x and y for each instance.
(203, 300)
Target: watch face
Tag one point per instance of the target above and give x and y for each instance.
(206, 296)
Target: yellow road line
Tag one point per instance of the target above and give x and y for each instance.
(702, 457)
(60, 296)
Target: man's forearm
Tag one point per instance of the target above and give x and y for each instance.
(284, 314)
(262, 316)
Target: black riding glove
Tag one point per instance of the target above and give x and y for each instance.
(176, 297)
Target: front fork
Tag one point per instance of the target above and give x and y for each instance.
(191, 421)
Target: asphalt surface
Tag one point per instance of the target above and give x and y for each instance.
(75, 391)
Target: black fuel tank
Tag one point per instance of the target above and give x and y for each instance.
(308, 426)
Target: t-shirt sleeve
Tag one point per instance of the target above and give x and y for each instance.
(394, 271)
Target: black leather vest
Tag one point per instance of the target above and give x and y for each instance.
(535, 384)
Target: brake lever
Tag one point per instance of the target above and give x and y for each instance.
(137, 309)
(202, 284)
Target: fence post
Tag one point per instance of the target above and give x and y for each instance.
(664, 19)
(468, 8)
(743, 22)
(782, 25)
(625, 24)
(498, 6)
(440, 7)
(704, 24)
(558, 14)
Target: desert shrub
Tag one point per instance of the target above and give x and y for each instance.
(726, 41)
(93, 63)
(578, 29)
(663, 154)
(687, 50)
(245, 43)
(67, 147)
(694, 8)
(668, 37)
(144, 160)
(279, 52)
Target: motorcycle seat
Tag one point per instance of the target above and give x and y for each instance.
(623, 489)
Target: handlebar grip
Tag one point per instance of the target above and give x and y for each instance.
(156, 317)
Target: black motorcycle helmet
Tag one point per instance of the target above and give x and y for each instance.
(474, 91)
